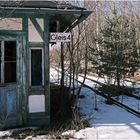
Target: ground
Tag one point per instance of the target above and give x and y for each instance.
(109, 122)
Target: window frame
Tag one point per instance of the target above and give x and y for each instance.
(42, 50)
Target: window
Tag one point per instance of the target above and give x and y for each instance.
(8, 61)
(36, 67)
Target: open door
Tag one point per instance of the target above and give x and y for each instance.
(12, 70)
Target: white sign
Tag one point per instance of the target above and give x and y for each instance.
(60, 37)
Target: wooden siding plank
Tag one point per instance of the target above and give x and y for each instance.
(11, 97)
(2, 107)
(8, 110)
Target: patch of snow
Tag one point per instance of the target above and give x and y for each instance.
(130, 101)
(54, 75)
(39, 137)
(10, 131)
(5, 133)
(104, 80)
(69, 133)
(110, 122)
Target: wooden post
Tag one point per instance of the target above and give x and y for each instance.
(25, 74)
(61, 58)
(47, 66)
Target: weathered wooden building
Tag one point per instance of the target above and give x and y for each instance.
(24, 55)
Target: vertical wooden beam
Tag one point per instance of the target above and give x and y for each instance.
(19, 77)
(47, 65)
(2, 62)
(25, 70)
(25, 26)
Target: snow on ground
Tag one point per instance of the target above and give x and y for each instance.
(104, 80)
(8, 133)
(130, 101)
(54, 75)
(88, 82)
(109, 122)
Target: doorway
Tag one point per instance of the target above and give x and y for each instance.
(10, 82)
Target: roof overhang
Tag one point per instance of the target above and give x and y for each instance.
(71, 16)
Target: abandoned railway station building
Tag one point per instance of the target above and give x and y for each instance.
(24, 53)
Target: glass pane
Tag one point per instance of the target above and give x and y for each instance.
(10, 61)
(36, 67)
(10, 50)
(10, 72)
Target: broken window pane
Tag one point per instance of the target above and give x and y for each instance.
(10, 50)
(10, 72)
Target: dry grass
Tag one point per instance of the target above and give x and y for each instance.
(54, 132)
(63, 119)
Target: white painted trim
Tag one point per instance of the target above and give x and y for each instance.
(36, 48)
